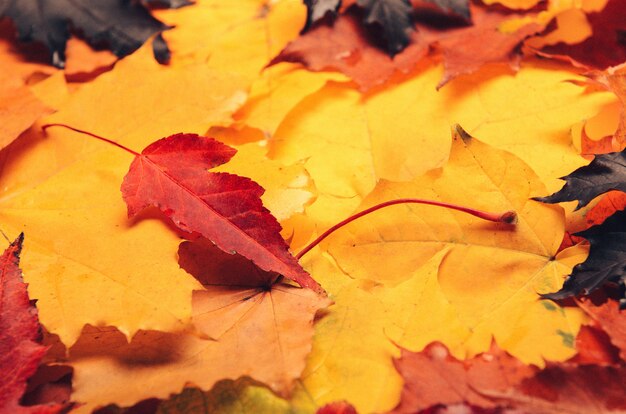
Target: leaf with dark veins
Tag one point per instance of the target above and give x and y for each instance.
(171, 174)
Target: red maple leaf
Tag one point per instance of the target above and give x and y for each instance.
(224, 208)
(20, 350)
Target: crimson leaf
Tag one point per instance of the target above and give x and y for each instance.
(606, 261)
(20, 350)
(124, 25)
(605, 173)
(171, 174)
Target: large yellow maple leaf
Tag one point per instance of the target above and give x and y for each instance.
(420, 274)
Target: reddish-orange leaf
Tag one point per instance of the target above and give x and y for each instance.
(344, 47)
(594, 347)
(20, 350)
(496, 380)
(610, 203)
(171, 174)
(434, 377)
(608, 316)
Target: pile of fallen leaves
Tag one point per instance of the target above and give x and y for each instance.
(163, 162)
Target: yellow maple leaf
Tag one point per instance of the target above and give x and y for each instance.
(424, 275)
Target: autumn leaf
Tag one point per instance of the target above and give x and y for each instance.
(495, 379)
(241, 309)
(124, 25)
(224, 208)
(605, 173)
(393, 17)
(130, 291)
(610, 318)
(614, 79)
(20, 336)
(346, 48)
(433, 377)
(236, 37)
(577, 389)
(605, 47)
(605, 261)
(493, 304)
(340, 407)
(19, 108)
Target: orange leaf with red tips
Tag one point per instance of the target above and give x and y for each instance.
(224, 208)
(20, 350)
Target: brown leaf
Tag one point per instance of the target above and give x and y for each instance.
(495, 380)
(346, 48)
(434, 377)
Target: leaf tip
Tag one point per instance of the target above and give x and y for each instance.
(458, 131)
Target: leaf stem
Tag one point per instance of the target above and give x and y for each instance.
(508, 217)
(44, 127)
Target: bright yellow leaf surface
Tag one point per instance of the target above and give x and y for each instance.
(277, 91)
(533, 124)
(492, 270)
(85, 262)
(421, 274)
(328, 131)
(348, 142)
(241, 36)
(141, 101)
